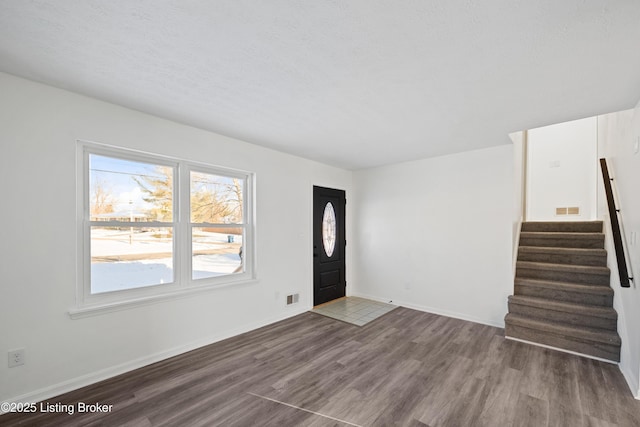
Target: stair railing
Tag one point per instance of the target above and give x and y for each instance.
(616, 220)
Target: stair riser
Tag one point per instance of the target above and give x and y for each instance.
(596, 349)
(591, 260)
(562, 295)
(562, 242)
(564, 317)
(563, 276)
(569, 227)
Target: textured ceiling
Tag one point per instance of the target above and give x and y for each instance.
(354, 84)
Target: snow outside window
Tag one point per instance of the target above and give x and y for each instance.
(157, 226)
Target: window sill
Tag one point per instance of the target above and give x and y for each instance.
(110, 307)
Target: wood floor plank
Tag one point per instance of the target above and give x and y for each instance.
(471, 399)
(595, 422)
(561, 416)
(407, 368)
(564, 382)
(503, 387)
(538, 373)
(443, 387)
(622, 403)
(592, 388)
(531, 412)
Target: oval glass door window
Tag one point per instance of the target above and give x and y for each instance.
(329, 229)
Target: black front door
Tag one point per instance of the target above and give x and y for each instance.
(328, 244)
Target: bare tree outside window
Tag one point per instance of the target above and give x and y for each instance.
(102, 199)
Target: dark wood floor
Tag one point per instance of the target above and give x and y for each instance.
(406, 368)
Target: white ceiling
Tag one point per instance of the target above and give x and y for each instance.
(355, 83)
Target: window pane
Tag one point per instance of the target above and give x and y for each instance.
(130, 257)
(216, 199)
(125, 190)
(329, 229)
(216, 251)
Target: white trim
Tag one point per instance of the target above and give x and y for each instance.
(632, 381)
(618, 294)
(516, 247)
(575, 353)
(183, 283)
(433, 310)
(220, 225)
(145, 224)
(110, 307)
(81, 244)
(182, 248)
(112, 371)
(165, 159)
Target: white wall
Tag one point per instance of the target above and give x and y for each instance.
(436, 234)
(39, 126)
(617, 134)
(562, 170)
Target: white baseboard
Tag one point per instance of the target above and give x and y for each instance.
(433, 310)
(632, 381)
(110, 372)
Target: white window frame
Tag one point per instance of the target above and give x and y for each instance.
(183, 284)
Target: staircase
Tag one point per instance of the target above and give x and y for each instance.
(562, 296)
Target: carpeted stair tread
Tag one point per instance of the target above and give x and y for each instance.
(575, 287)
(576, 251)
(592, 275)
(577, 293)
(588, 310)
(583, 333)
(573, 256)
(547, 266)
(559, 239)
(594, 342)
(564, 226)
(578, 313)
(572, 235)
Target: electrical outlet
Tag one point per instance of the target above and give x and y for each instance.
(16, 357)
(636, 145)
